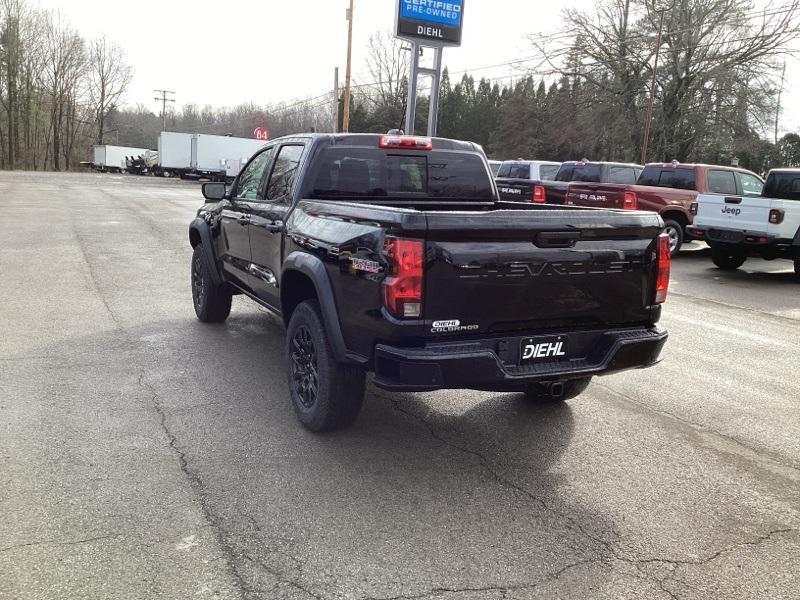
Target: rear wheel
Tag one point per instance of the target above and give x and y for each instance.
(727, 258)
(326, 395)
(674, 231)
(797, 270)
(546, 392)
(212, 303)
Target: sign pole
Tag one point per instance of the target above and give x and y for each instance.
(436, 84)
(411, 103)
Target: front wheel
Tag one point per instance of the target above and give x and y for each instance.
(212, 303)
(797, 270)
(727, 258)
(546, 392)
(674, 231)
(326, 395)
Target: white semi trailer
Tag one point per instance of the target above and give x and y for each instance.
(174, 154)
(114, 158)
(210, 153)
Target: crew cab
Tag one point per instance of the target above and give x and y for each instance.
(520, 180)
(393, 254)
(666, 188)
(738, 226)
(585, 183)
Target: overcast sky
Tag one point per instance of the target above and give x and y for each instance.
(267, 51)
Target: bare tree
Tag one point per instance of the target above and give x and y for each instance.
(109, 76)
(64, 66)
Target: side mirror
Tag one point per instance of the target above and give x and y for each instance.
(214, 191)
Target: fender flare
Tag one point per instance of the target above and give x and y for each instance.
(313, 268)
(203, 230)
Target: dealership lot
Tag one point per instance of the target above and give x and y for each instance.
(130, 469)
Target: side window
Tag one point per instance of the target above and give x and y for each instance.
(721, 182)
(751, 185)
(565, 173)
(250, 178)
(284, 174)
(621, 175)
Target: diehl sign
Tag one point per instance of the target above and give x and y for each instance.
(430, 22)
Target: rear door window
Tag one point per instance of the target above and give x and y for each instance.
(548, 172)
(621, 175)
(284, 174)
(721, 182)
(749, 184)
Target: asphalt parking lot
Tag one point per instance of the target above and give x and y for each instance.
(146, 455)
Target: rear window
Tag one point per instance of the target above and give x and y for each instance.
(721, 182)
(515, 171)
(587, 173)
(548, 172)
(676, 178)
(362, 172)
(784, 185)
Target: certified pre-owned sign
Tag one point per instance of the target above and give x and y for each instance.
(431, 22)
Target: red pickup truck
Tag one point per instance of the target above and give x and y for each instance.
(666, 188)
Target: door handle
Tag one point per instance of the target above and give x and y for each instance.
(274, 227)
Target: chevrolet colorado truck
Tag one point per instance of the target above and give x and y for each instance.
(767, 226)
(393, 254)
(521, 180)
(666, 188)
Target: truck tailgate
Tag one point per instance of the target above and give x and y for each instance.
(745, 214)
(511, 270)
(604, 195)
(515, 190)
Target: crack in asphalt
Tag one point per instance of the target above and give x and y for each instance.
(767, 456)
(62, 542)
(615, 554)
(215, 524)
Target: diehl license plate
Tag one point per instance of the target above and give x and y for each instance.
(541, 349)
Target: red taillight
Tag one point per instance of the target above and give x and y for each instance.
(406, 141)
(402, 288)
(538, 194)
(776, 216)
(693, 208)
(630, 201)
(663, 260)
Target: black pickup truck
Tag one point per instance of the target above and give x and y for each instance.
(393, 255)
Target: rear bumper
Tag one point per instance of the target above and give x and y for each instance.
(493, 364)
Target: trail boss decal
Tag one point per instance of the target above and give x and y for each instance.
(368, 266)
(543, 348)
(451, 326)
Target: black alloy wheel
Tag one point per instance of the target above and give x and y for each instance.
(304, 367)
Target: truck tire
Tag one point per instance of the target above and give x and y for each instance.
(675, 232)
(542, 393)
(326, 395)
(212, 303)
(727, 258)
(797, 270)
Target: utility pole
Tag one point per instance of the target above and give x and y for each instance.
(649, 118)
(335, 100)
(163, 98)
(346, 116)
(778, 111)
